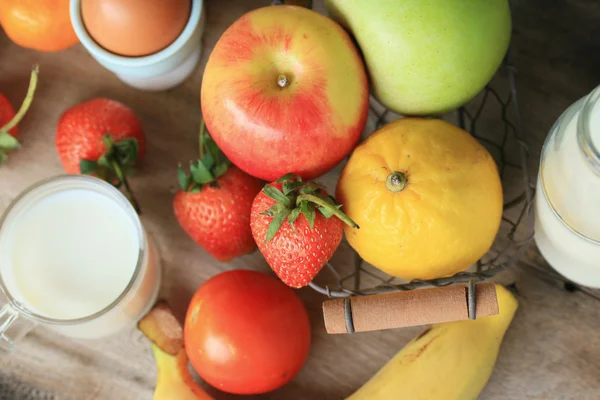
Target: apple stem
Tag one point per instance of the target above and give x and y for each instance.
(282, 81)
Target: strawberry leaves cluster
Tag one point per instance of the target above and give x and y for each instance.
(7, 142)
(115, 164)
(300, 198)
(207, 169)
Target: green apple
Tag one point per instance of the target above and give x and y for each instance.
(427, 57)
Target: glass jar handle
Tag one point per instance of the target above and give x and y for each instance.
(12, 328)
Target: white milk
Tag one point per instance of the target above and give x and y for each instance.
(567, 229)
(72, 252)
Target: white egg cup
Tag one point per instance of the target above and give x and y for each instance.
(159, 71)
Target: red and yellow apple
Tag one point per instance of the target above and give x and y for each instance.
(285, 91)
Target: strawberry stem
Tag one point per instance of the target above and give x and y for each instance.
(208, 168)
(202, 134)
(294, 198)
(115, 164)
(123, 179)
(322, 203)
(26, 103)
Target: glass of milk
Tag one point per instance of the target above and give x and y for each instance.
(75, 258)
(567, 206)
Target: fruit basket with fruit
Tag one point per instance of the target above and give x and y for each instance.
(420, 199)
(506, 141)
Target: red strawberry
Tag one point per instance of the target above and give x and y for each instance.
(9, 119)
(101, 137)
(297, 227)
(213, 205)
(7, 112)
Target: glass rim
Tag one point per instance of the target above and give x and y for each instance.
(584, 129)
(127, 207)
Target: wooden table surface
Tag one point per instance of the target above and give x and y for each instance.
(552, 350)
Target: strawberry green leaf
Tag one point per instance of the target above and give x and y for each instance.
(311, 188)
(307, 190)
(276, 224)
(208, 160)
(274, 210)
(8, 142)
(290, 186)
(219, 169)
(184, 179)
(3, 157)
(124, 152)
(311, 218)
(304, 206)
(293, 216)
(309, 213)
(289, 177)
(328, 199)
(276, 195)
(126, 159)
(211, 165)
(200, 173)
(127, 151)
(327, 213)
(103, 162)
(316, 201)
(88, 167)
(211, 146)
(116, 162)
(128, 145)
(287, 187)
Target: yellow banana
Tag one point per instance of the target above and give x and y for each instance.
(451, 361)
(174, 381)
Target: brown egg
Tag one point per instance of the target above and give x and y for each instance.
(135, 27)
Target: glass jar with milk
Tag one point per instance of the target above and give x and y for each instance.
(567, 226)
(75, 258)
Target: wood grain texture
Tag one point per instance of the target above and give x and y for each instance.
(552, 350)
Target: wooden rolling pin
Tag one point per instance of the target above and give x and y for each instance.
(409, 308)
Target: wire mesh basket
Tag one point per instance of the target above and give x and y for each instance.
(493, 118)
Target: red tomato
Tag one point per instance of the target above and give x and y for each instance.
(246, 332)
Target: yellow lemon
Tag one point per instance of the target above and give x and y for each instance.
(427, 197)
